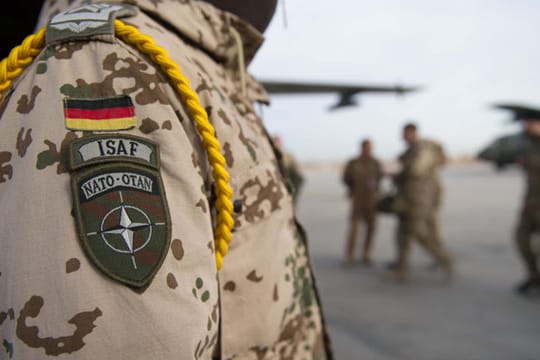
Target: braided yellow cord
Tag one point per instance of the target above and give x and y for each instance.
(21, 56)
(225, 222)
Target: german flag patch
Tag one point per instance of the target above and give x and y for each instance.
(115, 113)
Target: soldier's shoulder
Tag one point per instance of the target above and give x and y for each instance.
(67, 33)
(87, 22)
(426, 142)
(353, 161)
(430, 144)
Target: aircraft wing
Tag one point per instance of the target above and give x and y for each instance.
(345, 92)
(519, 111)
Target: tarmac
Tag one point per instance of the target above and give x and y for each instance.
(477, 316)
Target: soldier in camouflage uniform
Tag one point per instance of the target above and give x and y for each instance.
(418, 200)
(529, 221)
(107, 245)
(362, 176)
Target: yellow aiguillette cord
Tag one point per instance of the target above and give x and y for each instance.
(23, 55)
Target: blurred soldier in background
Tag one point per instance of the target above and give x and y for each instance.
(418, 199)
(529, 221)
(362, 176)
(291, 169)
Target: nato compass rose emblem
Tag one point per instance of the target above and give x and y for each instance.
(121, 237)
(123, 220)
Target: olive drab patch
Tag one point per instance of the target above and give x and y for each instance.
(120, 206)
(86, 21)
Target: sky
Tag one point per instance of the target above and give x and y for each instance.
(465, 54)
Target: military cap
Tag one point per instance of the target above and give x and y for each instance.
(521, 112)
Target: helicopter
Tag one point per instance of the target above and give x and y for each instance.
(506, 150)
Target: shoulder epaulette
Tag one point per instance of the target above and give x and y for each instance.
(86, 21)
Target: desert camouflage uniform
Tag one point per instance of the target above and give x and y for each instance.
(529, 222)
(419, 198)
(362, 176)
(55, 302)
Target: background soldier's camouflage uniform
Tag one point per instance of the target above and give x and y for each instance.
(261, 305)
(362, 176)
(529, 222)
(419, 194)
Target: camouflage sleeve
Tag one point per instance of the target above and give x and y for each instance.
(427, 158)
(421, 164)
(443, 159)
(77, 297)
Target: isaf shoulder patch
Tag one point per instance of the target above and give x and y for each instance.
(120, 206)
(90, 150)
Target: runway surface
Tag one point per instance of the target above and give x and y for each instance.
(477, 316)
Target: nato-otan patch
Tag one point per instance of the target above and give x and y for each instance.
(122, 219)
